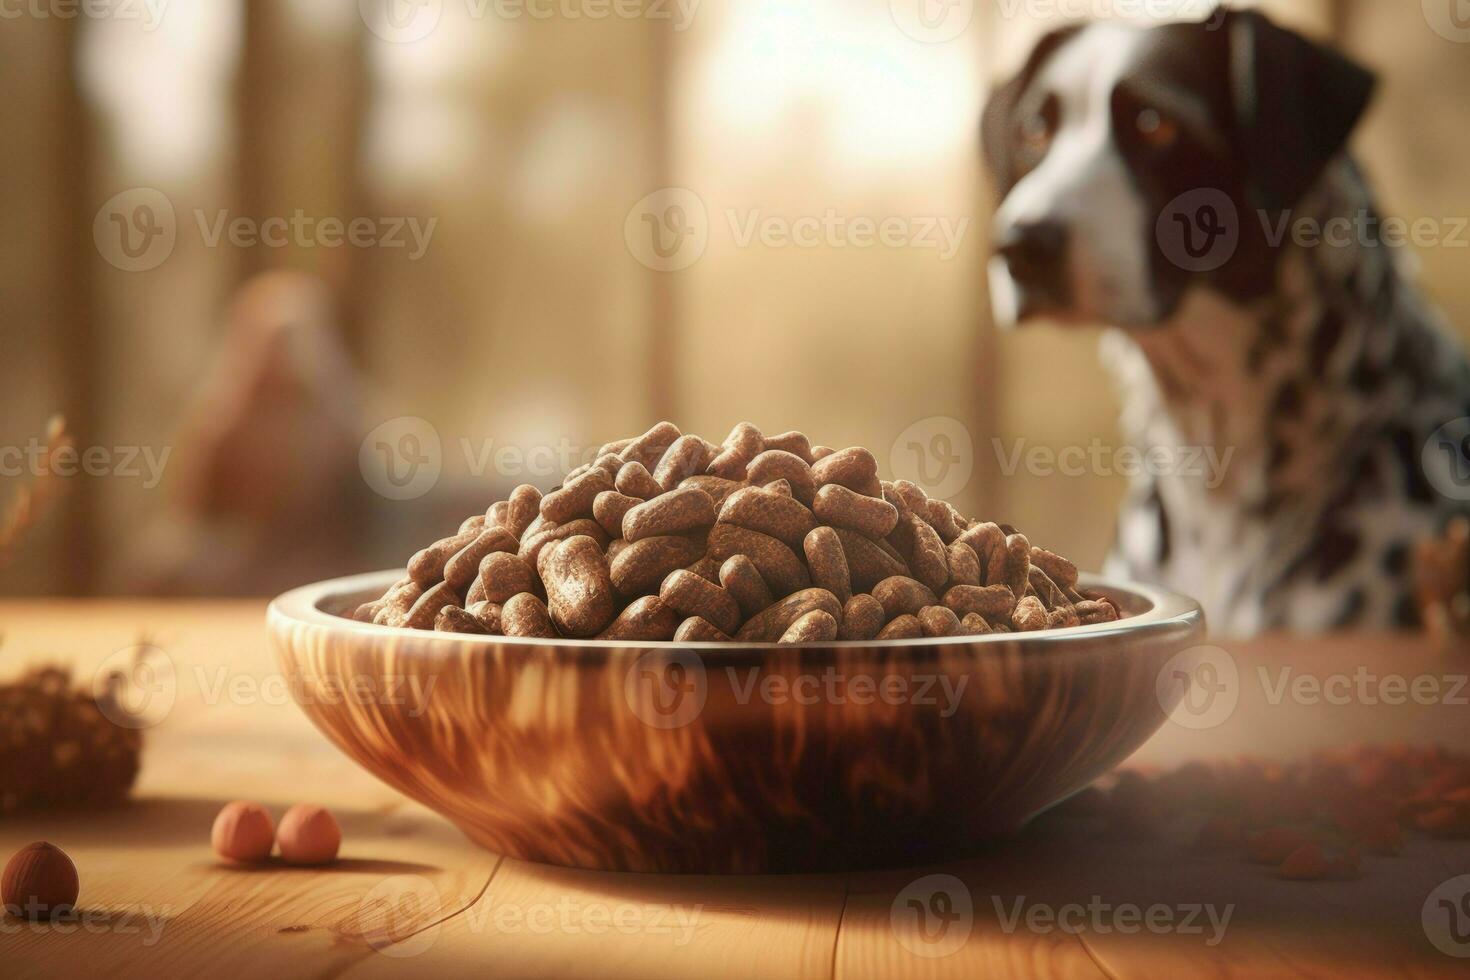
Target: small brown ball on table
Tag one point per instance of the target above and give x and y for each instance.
(309, 835)
(243, 831)
(40, 882)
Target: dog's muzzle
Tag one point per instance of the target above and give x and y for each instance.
(1035, 255)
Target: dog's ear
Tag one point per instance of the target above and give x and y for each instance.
(1295, 104)
(995, 120)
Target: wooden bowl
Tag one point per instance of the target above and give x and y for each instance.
(732, 757)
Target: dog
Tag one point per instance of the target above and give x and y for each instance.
(1122, 157)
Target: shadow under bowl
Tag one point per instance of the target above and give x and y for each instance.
(730, 757)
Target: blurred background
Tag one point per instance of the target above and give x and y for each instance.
(312, 281)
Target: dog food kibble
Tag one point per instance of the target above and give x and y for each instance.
(40, 881)
(243, 831)
(766, 539)
(309, 835)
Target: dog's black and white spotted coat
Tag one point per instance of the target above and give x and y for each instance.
(1328, 391)
(1320, 384)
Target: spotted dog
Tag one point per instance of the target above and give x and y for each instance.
(1168, 181)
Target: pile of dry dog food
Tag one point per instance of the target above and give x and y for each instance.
(761, 538)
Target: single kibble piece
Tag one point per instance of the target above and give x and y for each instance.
(739, 577)
(974, 624)
(1030, 615)
(243, 831)
(645, 618)
(838, 506)
(905, 627)
(862, 618)
(939, 621)
(991, 601)
(686, 456)
(523, 507)
(634, 480)
(964, 564)
(503, 575)
(684, 509)
(742, 445)
(854, 468)
(927, 559)
(426, 608)
(579, 588)
(900, 596)
(526, 615)
(827, 562)
(817, 626)
(40, 881)
(309, 835)
(698, 630)
(575, 497)
(776, 464)
(792, 442)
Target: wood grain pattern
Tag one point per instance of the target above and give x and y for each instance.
(415, 898)
(763, 758)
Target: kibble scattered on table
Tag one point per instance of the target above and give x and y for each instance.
(243, 831)
(309, 835)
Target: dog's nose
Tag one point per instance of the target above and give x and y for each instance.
(1034, 250)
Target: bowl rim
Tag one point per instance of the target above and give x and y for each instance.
(1168, 612)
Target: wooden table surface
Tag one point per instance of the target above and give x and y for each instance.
(412, 897)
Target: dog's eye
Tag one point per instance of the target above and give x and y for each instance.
(1156, 129)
